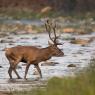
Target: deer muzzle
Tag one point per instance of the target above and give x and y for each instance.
(61, 54)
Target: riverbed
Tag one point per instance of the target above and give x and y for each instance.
(75, 54)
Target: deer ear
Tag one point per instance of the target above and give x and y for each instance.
(60, 43)
(50, 43)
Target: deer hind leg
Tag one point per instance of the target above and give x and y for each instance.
(39, 70)
(26, 70)
(12, 67)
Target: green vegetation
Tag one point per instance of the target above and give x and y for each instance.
(17, 13)
(81, 84)
(66, 6)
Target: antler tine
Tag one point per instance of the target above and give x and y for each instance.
(55, 36)
(54, 30)
(48, 29)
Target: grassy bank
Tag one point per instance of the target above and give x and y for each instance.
(16, 13)
(82, 84)
(24, 13)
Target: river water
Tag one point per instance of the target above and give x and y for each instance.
(74, 54)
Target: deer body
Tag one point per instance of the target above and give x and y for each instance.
(27, 53)
(31, 55)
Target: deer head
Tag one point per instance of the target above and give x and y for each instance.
(51, 27)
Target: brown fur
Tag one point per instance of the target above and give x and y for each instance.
(30, 55)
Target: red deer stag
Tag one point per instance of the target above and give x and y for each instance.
(32, 54)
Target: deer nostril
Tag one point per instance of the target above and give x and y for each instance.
(62, 53)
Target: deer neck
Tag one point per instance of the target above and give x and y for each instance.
(46, 53)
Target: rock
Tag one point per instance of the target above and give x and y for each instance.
(19, 67)
(34, 38)
(24, 38)
(80, 41)
(69, 30)
(48, 63)
(79, 52)
(38, 46)
(83, 45)
(2, 41)
(46, 9)
(19, 32)
(11, 41)
(67, 37)
(15, 33)
(77, 31)
(6, 41)
(3, 34)
(10, 38)
(71, 65)
(1, 67)
(29, 28)
(11, 44)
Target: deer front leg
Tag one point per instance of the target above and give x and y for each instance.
(26, 70)
(39, 70)
(10, 72)
(16, 73)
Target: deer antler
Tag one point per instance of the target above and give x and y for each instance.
(48, 29)
(55, 36)
(50, 26)
(54, 30)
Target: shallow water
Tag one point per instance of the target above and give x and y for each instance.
(74, 54)
(22, 21)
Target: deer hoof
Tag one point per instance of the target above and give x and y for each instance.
(38, 78)
(10, 78)
(25, 78)
(19, 78)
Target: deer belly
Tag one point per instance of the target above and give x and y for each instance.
(23, 60)
(45, 58)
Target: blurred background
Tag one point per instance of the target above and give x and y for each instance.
(22, 23)
(42, 8)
